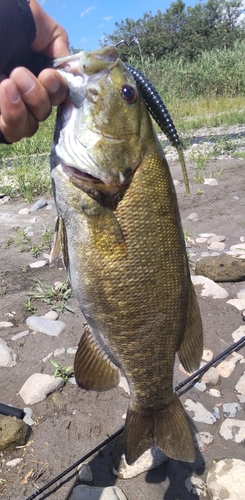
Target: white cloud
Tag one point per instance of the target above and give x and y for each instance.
(87, 11)
(107, 18)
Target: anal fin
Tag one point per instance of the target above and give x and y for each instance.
(191, 348)
(93, 369)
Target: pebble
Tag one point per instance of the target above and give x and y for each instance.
(207, 355)
(239, 333)
(47, 357)
(14, 462)
(176, 183)
(84, 474)
(239, 248)
(209, 288)
(207, 235)
(201, 240)
(20, 335)
(226, 367)
(211, 376)
(218, 238)
(216, 413)
(200, 386)
(38, 205)
(24, 211)
(233, 429)
(242, 239)
(124, 384)
(241, 294)
(200, 413)
(203, 440)
(217, 246)
(193, 217)
(6, 324)
(47, 326)
(226, 480)
(82, 492)
(240, 386)
(205, 254)
(38, 386)
(28, 414)
(196, 486)
(211, 182)
(230, 409)
(238, 303)
(38, 263)
(214, 254)
(7, 356)
(214, 392)
(52, 315)
(59, 352)
(151, 459)
(14, 432)
(71, 350)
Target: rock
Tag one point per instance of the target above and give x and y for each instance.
(226, 367)
(211, 182)
(221, 268)
(216, 412)
(38, 386)
(241, 294)
(238, 303)
(239, 333)
(151, 459)
(5, 324)
(84, 492)
(211, 376)
(201, 240)
(52, 315)
(231, 409)
(233, 429)
(240, 386)
(47, 326)
(7, 356)
(71, 350)
(205, 254)
(14, 432)
(124, 384)
(238, 249)
(207, 355)
(242, 239)
(203, 440)
(38, 205)
(218, 238)
(226, 480)
(214, 392)
(196, 486)
(200, 413)
(20, 335)
(59, 352)
(14, 462)
(38, 263)
(208, 288)
(24, 211)
(84, 474)
(217, 246)
(206, 235)
(193, 217)
(200, 386)
(28, 414)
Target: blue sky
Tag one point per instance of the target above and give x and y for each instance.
(87, 20)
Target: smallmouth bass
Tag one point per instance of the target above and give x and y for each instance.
(120, 234)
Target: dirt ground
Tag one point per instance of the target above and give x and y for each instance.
(70, 422)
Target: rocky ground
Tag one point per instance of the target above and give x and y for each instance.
(69, 422)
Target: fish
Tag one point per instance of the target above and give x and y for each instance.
(120, 234)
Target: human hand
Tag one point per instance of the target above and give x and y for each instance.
(25, 100)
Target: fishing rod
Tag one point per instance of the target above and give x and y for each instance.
(189, 380)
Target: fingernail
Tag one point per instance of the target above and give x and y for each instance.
(25, 83)
(12, 93)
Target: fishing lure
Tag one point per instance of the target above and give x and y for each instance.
(159, 112)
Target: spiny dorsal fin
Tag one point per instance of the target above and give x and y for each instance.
(59, 248)
(93, 368)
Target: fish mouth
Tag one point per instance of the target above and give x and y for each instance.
(75, 174)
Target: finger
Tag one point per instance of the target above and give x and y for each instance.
(55, 85)
(32, 92)
(15, 120)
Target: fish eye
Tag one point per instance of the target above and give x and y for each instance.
(128, 93)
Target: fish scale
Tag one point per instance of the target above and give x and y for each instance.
(121, 237)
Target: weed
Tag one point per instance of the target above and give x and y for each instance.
(58, 298)
(199, 191)
(29, 307)
(61, 371)
(23, 241)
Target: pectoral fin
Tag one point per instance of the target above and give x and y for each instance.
(93, 368)
(59, 248)
(191, 348)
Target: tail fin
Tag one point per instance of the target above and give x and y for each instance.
(168, 429)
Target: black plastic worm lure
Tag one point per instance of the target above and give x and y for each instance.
(159, 112)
